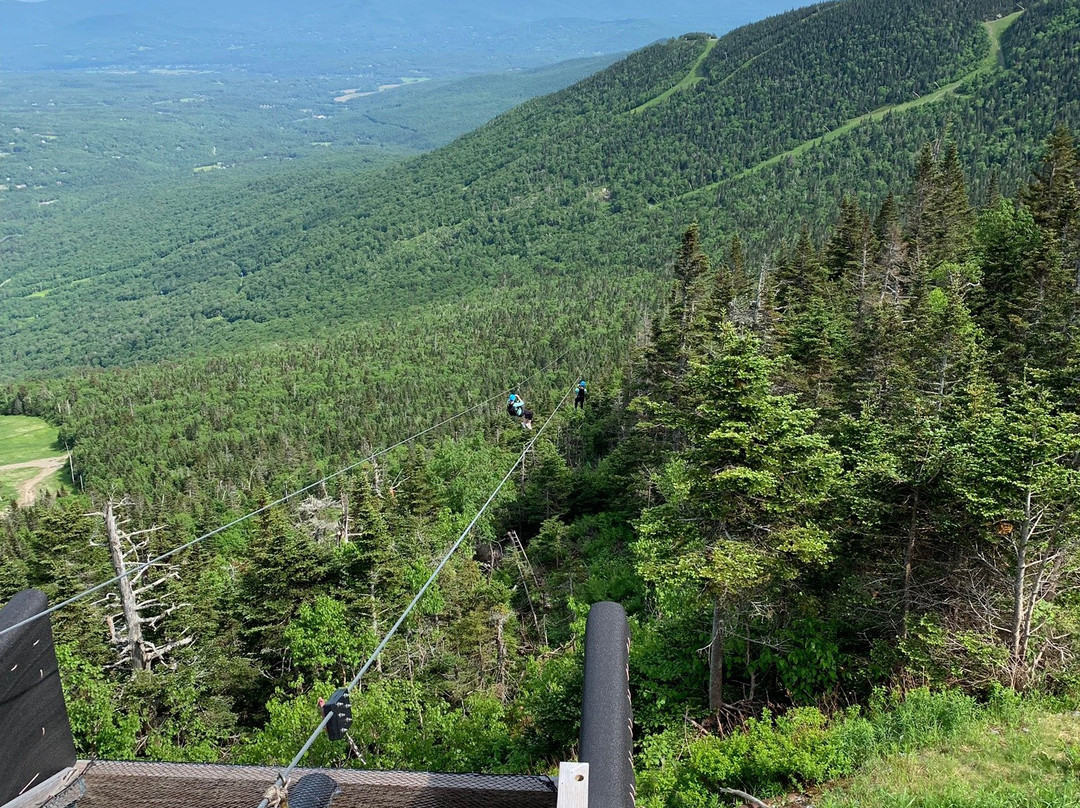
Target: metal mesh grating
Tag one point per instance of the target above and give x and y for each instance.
(182, 785)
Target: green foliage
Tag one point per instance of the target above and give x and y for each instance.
(181, 718)
(322, 640)
(772, 755)
(395, 726)
(797, 478)
(100, 725)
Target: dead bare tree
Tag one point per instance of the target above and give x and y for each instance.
(140, 612)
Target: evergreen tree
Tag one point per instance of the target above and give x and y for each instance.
(1018, 473)
(919, 208)
(1053, 194)
(673, 336)
(742, 497)
(281, 574)
(800, 277)
(951, 216)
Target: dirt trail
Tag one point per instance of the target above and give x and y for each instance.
(28, 489)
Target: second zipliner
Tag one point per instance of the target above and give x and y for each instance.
(515, 405)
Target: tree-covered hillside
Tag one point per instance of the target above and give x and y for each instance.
(829, 455)
(835, 485)
(591, 180)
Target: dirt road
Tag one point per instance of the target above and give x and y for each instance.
(28, 489)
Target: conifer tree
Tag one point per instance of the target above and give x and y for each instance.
(1053, 194)
(667, 357)
(850, 256)
(888, 216)
(919, 204)
(282, 572)
(800, 277)
(742, 497)
(1006, 302)
(1018, 473)
(813, 328)
(952, 219)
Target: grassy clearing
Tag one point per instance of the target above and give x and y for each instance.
(10, 482)
(691, 78)
(929, 749)
(996, 28)
(1032, 760)
(23, 439)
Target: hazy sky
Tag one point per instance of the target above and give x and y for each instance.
(329, 34)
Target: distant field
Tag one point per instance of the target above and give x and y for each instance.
(23, 438)
(29, 441)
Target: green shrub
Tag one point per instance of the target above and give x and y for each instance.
(773, 755)
(919, 718)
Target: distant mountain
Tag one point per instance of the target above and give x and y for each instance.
(756, 133)
(440, 38)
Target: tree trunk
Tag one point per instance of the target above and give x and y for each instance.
(501, 659)
(343, 538)
(1019, 641)
(136, 649)
(716, 661)
(375, 621)
(909, 554)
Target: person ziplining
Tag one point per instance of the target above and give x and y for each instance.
(579, 397)
(515, 408)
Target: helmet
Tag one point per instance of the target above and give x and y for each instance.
(513, 397)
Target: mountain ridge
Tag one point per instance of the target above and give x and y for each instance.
(562, 184)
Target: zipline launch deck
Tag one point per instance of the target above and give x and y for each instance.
(183, 785)
(39, 769)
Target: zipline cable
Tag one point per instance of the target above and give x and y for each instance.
(283, 775)
(138, 570)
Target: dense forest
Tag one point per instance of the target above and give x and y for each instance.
(573, 184)
(855, 470)
(829, 461)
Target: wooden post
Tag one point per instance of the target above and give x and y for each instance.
(573, 785)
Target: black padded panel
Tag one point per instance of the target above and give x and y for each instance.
(35, 735)
(607, 736)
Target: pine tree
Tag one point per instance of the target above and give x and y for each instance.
(283, 571)
(741, 497)
(850, 256)
(952, 219)
(1053, 194)
(674, 335)
(800, 277)
(1006, 303)
(1017, 472)
(919, 204)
